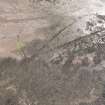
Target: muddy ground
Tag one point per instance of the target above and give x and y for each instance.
(63, 58)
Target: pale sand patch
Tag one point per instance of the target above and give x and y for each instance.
(12, 20)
